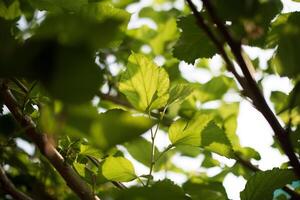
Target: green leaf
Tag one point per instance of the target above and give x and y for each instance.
(200, 189)
(86, 76)
(286, 60)
(182, 132)
(144, 84)
(160, 190)
(193, 42)
(140, 149)
(109, 133)
(203, 132)
(118, 169)
(88, 150)
(215, 140)
(167, 32)
(107, 129)
(280, 100)
(68, 73)
(209, 161)
(58, 5)
(10, 12)
(262, 184)
(215, 88)
(248, 153)
(160, 17)
(179, 93)
(95, 19)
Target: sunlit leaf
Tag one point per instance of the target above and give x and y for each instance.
(214, 139)
(182, 132)
(179, 92)
(144, 84)
(118, 169)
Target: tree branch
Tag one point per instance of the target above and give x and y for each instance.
(10, 188)
(41, 140)
(247, 82)
(205, 27)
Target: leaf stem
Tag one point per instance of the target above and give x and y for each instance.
(140, 180)
(153, 136)
(163, 152)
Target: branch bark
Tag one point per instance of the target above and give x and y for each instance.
(247, 82)
(45, 146)
(10, 188)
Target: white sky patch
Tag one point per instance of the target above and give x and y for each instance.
(234, 185)
(290, 6)
(187, 163)
(194, 74)
(26, 146)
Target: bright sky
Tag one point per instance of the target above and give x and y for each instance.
(253, 129)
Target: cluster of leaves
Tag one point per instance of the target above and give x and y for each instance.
(98, 89)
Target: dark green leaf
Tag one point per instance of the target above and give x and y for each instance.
(107, 129)
(202, 190)
(140, 149)
(262, 184)
(286, 60)
(193, 42)
(161, 190)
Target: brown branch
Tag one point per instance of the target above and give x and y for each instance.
(205, 27)
(248, 84)
(10, 188)
(45, 146)
(294, 195)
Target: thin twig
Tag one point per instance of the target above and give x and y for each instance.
(153, 136)
(10, 188)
